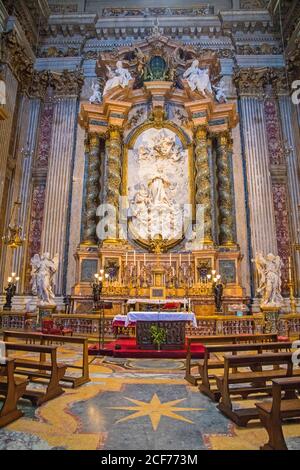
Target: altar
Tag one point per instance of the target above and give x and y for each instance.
(173, 324)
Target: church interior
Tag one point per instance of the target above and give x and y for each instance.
(150, 225)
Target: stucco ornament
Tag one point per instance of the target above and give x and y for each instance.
(96, 96)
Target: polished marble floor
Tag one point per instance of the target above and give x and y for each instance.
(133, 404)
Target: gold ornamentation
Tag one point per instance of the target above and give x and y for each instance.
(226, 233)
(92, 148)
(203, 180)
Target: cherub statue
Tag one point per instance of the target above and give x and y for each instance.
(96, 96)
(219, 90)
(43, 269)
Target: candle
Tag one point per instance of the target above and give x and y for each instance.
(180, 259)
(189, 258)
(2, 350)
(145, 259)
(9, 279)
(134, 258)
(13, 274)
(126, 262)
(170, 259)
(290, 270)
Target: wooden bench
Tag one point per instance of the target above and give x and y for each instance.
(38, 369)
(12, 388)
(272, 413)
(221, 339)
(206, 364)
(253, 381)
(50, 339)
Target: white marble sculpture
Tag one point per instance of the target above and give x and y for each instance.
(96, 96)
(269, 272)
(197, 78)
(43, 269)
(118, 77)
(220, 92)
(159, 167)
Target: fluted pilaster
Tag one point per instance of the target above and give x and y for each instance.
(92, 150)
(262, 219)
(226, 215)
(55, 225)
(203, 180)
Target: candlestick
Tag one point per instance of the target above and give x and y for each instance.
(290, 270)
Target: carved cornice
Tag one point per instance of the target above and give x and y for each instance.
(254, 81)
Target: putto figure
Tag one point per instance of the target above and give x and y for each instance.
(197, 78)
(269, 272)
(96, 96)
(43, 269)
(119, 77)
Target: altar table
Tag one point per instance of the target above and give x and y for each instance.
(173, 323)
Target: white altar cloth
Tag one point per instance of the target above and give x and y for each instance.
(133, 317)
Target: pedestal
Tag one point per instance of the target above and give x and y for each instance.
(45, 311)
(271, 317)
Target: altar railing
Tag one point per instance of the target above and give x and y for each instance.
(88, 325)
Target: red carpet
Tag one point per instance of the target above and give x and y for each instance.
(127, 348)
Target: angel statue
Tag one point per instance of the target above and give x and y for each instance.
(119, 77)
(269, 272)
(43, 269)
(96, 96)
(197, 78)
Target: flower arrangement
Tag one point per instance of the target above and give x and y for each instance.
(158, 335)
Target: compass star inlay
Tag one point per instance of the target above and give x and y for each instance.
(155, 409)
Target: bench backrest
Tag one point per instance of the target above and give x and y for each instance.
(267, 346)
(233, 339)
(265, 359)
(285, 384)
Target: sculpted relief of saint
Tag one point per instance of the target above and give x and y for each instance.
(158, 183)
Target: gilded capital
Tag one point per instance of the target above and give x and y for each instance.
(201, 133)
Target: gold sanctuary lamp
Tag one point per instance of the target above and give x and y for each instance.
(13, 237)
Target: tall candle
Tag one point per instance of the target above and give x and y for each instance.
(2, 349)
(134, 258)
(189, 258)
(126, 262)
(180, 259)
(145, 259)
(170, 259)
(290, 270)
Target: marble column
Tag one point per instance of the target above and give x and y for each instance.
(29, 144)
(225, 194)
(56, 210)
(203, 180)
(114, 167)
(291, 140)
(92, 152)
(262, 220)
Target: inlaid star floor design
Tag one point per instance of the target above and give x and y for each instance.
(155, 409)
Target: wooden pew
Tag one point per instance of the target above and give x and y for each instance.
(36, 369)
(221, 339)
(256, 380)
(45, 339)
(272, 413)
(12, 388)
(206, 364)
